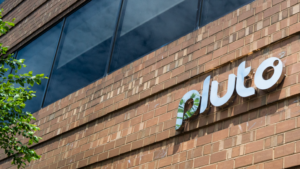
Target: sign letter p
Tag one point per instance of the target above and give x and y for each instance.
(181, 116)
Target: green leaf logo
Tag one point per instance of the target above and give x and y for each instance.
(181, 116)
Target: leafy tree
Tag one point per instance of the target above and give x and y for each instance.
(15, 123)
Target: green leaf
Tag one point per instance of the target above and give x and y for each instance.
(10, 24)
(10, 76)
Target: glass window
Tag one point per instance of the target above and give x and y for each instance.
(146, 25)
(1, 1)
(39, 56)
(214, 9)
(84, 48)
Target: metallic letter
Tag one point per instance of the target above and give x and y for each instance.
(205, 95)
(181, 116)
(225, 100)
(277, 77)
(240, 87)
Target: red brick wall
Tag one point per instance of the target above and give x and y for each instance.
(127, 119)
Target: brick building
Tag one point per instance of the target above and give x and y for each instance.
(119, 68)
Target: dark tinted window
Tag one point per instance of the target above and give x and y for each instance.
(214, 9)
(84, 48)
(146, 25)
(39, 56)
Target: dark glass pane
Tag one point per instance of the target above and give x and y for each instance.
(214, 9)
(146, 25)
(84, 48)
(39, 56)
(1, 1)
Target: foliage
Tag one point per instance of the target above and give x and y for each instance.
(15, 123)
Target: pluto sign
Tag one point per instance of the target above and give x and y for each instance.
(235, 83)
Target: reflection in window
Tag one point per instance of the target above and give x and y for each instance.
(147, 25)
(39, 56)
(84, 48)
(214, 9)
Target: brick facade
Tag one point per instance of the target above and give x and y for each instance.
(127, 119)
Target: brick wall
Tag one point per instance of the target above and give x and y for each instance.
(127, 119)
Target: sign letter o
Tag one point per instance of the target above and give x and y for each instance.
(277, 77)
